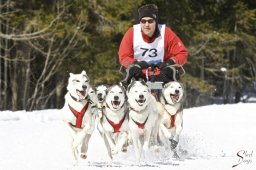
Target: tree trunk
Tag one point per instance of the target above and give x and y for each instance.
(7, 55)
(27, 69)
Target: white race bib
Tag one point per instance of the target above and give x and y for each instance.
(149, 52)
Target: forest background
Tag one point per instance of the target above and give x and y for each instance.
(42, 41)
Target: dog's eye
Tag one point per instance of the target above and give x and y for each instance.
(111, 92)
(76, 81)
(120, 92)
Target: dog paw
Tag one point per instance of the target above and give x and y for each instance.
(173, 143)
(83, 156)
(124, 149)
(109, 163)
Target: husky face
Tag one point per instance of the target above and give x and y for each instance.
(78, 85)
(173, 92)
(138, 95)
(101, 92)
(115, 97)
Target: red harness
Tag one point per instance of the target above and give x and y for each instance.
(172, 119)
(140, 125)
(79, 115)
(116, 126)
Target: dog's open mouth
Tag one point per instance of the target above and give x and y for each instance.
(141, 101)
(115, 104)
(80, 93)
(100, 99)
(174, 97)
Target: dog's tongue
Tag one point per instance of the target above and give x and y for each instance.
(174, 97)
(141, 101)
(81, 93)
(116, 103)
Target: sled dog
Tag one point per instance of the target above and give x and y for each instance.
(79, 114)
(143, 116)
(101, 92)
(171, 116)
(113, 125)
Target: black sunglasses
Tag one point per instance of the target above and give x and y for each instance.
(150, 21)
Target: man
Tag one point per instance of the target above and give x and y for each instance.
(150, 45)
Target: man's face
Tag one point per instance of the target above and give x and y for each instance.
(148, 26)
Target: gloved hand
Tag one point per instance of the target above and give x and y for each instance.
(142, 64)
(167, 63)
(135, 70)
(168, 72)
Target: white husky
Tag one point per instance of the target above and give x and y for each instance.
(113, 125)
(79, 113)
(143, 116)
(172, 111)
(101, 92)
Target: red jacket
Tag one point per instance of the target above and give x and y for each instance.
(174, 48)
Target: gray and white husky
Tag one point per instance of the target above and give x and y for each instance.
(143, 117)
(113, 124)
(172, 114)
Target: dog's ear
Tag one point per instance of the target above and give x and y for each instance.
(71, 74)
(84, 73)
(123, 85)
(132, 80)
(167, 84)
(108, 89)
(142, 81)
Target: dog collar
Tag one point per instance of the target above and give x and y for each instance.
(77, 100)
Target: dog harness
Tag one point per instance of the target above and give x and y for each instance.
(116, 126)
(79, 115)
(140, 125)
(172, 119)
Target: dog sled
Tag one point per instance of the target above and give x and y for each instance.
(150, 73)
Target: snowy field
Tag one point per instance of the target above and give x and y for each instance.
(214, 137)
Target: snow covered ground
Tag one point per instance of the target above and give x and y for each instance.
(214, 137)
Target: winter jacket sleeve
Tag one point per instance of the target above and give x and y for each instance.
(125, 52)
(174, 48)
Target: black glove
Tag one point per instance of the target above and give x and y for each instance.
(135, 70)
(169, 73)
(167, 63)
(142, 64)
